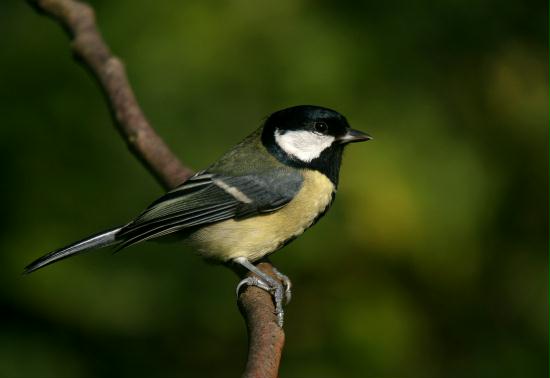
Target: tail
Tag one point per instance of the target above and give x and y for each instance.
(103, 239)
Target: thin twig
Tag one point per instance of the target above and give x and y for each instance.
(87, 44)
(266, 338)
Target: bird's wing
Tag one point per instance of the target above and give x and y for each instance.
(208, 198)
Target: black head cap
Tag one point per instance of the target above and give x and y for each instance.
(307, 117)
(308, 136)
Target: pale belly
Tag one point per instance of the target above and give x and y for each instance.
(258, 236)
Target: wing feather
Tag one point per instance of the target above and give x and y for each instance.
(207, 198)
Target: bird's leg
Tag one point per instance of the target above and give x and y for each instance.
(265, 282)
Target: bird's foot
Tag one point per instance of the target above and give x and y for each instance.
(279, 291)
(287, 284)
(272, 286)
(252, 281)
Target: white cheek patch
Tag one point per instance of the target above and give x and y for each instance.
(303, 145)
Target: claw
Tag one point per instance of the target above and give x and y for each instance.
(286, 283)
(278, 290)
(252, 281)
(275, 288)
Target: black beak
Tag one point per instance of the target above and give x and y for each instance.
(353, 136)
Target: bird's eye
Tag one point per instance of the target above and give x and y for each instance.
(321, 127)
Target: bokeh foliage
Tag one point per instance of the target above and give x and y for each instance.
(432, 262)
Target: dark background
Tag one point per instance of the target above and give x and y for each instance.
(432, 262)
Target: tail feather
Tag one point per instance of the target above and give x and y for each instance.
(103, 239)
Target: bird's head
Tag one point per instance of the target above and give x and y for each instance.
(308, 136)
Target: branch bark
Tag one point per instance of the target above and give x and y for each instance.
(266, 338)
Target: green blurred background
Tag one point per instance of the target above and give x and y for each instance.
(432, 262)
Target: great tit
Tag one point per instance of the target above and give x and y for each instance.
(255, 199)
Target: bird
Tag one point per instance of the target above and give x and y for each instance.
(258, 197)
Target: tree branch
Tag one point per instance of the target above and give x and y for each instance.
(90, 50)
(266, 338)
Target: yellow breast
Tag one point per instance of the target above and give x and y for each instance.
(258, 236)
